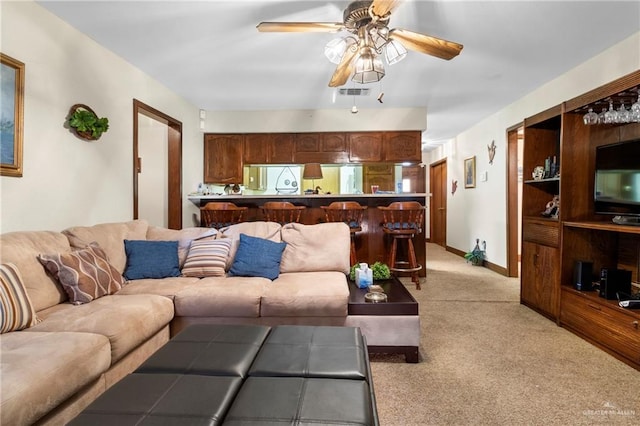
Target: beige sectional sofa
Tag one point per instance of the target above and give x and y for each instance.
(51, 370)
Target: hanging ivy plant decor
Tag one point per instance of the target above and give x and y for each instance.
(86, 124)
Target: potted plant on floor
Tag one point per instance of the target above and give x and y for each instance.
(476, 256)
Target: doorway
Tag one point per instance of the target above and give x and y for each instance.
(515, 144)
(157, 163)
(438, 203)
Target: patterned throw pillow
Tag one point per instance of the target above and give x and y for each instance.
(17, 310)
(85, 274)
(207, 258)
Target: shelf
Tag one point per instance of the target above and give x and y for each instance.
(604, 226)
(540, 181)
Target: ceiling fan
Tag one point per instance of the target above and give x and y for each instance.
(358, 54)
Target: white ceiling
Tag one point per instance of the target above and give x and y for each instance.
(211, 53)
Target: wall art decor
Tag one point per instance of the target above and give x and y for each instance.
(470, 172)
(11, 116)
(85, 122)
(492, 151)
(454, 186)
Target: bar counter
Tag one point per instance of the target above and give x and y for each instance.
(371, 243)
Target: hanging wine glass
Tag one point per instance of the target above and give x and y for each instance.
(611, 116)
(635, 110)
(624, 115)
(601, 115)
(590, 117)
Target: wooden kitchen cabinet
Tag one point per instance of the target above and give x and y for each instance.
(402, 146)
(223, 158)
(365, 147)
(324, 148)
(268, 148)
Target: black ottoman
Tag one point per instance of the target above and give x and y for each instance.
(246, 374)
(298, 400)
(162, 399)
(307, 351)
(208, 349)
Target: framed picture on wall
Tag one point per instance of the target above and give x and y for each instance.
(470, 172)
(11, 115)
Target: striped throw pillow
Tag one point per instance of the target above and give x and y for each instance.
(17, 310)
(84, 274)
(207, 258)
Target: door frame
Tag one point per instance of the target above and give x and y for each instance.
(174, 164)
(513, 201)
(442, 189)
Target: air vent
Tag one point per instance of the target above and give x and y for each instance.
(354, 92)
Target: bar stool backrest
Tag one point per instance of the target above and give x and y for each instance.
(221, 214)
(282, 212)
(349, 212)
(403, 217)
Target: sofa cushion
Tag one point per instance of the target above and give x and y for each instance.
(261, 229)
(85, 274)
(321, 247)
(22, 249)
(127, 321)
(257, 257)
(17, 312)
(207, 258)
(306, 294)
(151, 259)
(167, 287)
(183, 236)
(222, 297)
(35, 364)
(110, 236)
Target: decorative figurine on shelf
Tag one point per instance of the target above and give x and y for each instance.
(552, 208)
(538, 173)
(492, 151)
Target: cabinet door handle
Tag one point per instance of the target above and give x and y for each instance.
(635, 324)
(535, 259)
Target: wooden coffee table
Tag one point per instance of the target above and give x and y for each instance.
(390, 327)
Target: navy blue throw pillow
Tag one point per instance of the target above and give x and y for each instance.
(151, 259)
(257, 257)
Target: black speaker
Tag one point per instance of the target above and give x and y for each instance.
(583, 275)
(613, 281)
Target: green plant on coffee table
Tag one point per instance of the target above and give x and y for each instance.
(380, 271)
(86, 123)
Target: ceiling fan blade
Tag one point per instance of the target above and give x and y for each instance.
(426, 44)
(344, 69)
(382, 7)
(290, 27)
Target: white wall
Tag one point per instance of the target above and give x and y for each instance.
(153, 149)
(324, 120)
(68, 181)
(481, 212)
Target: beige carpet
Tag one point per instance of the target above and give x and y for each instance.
(487, 360)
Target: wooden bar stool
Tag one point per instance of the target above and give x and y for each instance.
(349, 212)
(221, 214)
(403, 220)
(282, 212)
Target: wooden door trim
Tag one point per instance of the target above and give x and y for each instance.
(513, 242)
(174, 166)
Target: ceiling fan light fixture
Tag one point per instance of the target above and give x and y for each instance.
(394, 52)
(368, 67)
(335, 49)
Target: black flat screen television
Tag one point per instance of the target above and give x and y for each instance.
(617, 179)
